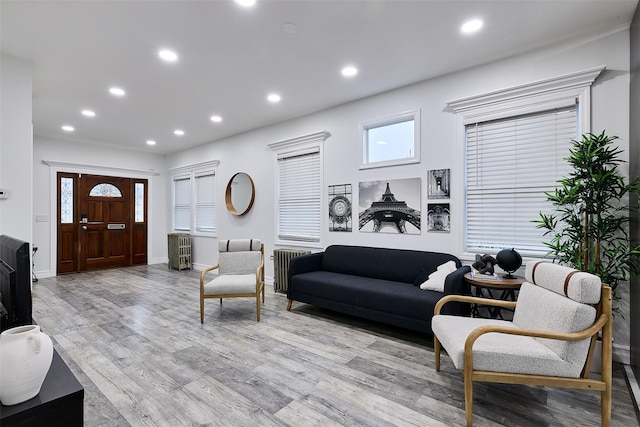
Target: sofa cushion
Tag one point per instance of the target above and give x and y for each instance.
(398, 265)
(382, 295)
(436, 280)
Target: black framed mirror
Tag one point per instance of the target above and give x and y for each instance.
(240, 194)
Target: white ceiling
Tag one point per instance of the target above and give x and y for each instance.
(232, 57)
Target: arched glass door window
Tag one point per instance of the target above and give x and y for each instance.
(105, 190)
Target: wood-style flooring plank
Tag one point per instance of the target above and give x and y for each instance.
(133, 338)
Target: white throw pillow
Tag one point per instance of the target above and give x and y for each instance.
(435, 282)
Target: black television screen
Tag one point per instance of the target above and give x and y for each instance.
(15, 282)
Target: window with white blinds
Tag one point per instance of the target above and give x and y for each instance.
(205, 205)
(194, 198)
(510, 164)
(299, 197)
(182, 204)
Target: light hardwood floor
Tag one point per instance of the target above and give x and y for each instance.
(134, 340)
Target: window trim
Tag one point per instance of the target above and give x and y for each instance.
(386, 121)
(518, 100)
(306, 144)
(192, 172)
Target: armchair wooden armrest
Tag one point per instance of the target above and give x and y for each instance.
(204, 272)
(473, 300)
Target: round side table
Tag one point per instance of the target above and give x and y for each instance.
(494, 287)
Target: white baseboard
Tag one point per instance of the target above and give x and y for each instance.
(621, 354)
(164, 260)
(44, 273)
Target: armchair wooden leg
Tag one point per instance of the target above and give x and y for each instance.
(289, 305)
(201, 309)
(220, 301)
(468, 395)
(258, 306)
(436, 350)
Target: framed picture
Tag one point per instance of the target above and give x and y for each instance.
(438, 184)
(438, 217)
(340, 207)
(390, 206)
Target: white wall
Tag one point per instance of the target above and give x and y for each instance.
(100, 160)
(440, 147)
(16, 147)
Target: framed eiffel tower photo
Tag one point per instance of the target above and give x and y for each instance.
(390, 206)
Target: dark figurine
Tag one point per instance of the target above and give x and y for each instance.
(484, 264)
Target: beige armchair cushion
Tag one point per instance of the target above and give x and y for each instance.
(580, 286)
(499, 352)
(231, 284)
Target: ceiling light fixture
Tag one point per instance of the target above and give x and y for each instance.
(216, 119)
(274, 97)
(116, 91)
(88, 113)
(178, 132)
(68, 128)
(349, 71)
(246, 3)
(168, 55)
(471, 26)
(151, 142)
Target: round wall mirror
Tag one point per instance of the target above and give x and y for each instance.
(240, 194)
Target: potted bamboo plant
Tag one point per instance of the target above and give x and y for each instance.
(589, 228)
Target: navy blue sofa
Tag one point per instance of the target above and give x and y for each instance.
(375, 283)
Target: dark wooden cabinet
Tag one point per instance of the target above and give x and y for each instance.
(59, 403)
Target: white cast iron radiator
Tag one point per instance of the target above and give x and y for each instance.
(281, 258)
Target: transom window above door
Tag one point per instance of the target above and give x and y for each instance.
(105, 190)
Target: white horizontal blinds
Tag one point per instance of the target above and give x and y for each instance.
(511, 163)
(206, 203)
(182, 204)
(299, 197)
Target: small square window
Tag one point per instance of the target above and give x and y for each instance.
(391, 141)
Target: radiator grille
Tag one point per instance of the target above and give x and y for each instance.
(281, 259)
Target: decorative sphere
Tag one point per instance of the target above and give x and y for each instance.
(509, 260)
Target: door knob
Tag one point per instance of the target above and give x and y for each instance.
(84, 227)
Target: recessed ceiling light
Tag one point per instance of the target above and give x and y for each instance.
(274, 97)
(88, 113)
(246, 3)
(116, 91)
(289, 28)
(471, 26)
(68, 128)
(349, 71)
(216, 119)
(179, 132)
(168, 55)
(151, 142)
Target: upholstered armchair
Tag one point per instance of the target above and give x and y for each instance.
(240, 273)
(550, 342)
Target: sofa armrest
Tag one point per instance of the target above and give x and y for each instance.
(304, 264)
(455, 284)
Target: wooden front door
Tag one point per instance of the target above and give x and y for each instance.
(102, 222)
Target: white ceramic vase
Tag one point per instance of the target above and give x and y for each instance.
(25, 358)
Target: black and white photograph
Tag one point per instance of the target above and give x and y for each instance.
(438, 184)
(390, 206)
(438, 217)
(340, 217)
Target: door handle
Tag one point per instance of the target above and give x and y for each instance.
(84, 227)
